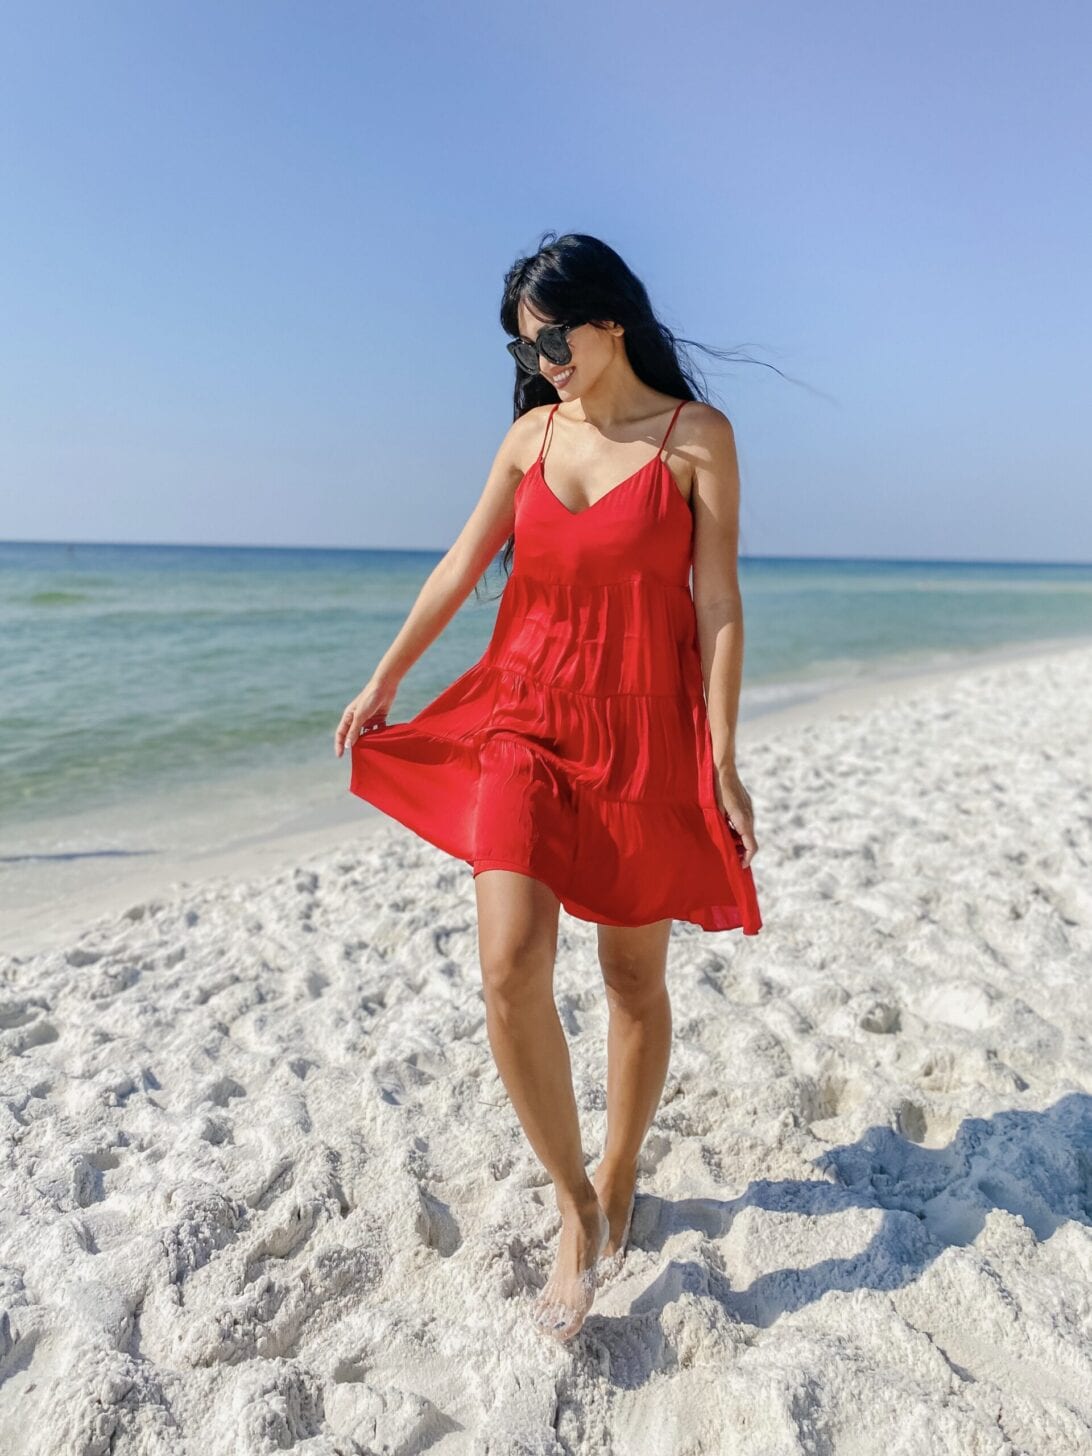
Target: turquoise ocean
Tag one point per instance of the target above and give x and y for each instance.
(148, 685)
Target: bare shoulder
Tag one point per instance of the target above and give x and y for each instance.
(519, 448)
(703, 430)
(533, 421)
(702, 447)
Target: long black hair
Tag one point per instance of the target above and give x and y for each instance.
(579, 277)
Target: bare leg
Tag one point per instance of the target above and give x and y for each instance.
(634, 966)
(517, 944)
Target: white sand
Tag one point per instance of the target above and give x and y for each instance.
(263, 1188)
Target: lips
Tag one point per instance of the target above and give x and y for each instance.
(560, 380)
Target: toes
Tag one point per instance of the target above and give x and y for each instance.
(566, 1324)
(557, 1319)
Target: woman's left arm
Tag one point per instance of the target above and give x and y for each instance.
(718, 605)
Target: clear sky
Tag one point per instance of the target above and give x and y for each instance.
(252, 254)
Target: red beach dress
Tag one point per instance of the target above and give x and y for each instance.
(577, 749)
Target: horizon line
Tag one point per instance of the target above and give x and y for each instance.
(439, 551)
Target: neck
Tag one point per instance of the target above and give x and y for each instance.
(616, 400)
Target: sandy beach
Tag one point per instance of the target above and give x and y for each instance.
(263, 1187)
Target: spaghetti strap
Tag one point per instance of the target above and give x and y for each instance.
(546, 431)
(671, 425)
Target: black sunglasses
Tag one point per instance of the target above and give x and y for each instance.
(552, 341)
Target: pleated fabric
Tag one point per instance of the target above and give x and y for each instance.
(577, 749)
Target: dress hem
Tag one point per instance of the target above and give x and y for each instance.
(702, 916)
(583, 912)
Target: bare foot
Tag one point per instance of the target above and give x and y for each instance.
(615, 1190)
(562, 1306)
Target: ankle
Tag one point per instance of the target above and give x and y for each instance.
(578, 1200)
(622, 1171)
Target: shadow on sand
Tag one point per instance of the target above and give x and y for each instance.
(1037, 1165)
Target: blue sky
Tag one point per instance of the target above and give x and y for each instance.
(252, 257)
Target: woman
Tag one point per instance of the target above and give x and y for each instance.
(588, 759)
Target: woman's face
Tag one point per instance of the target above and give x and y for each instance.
(593, 347)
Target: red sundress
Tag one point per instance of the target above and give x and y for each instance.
(577, 749)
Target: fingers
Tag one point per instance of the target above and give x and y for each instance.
(344, 730)
(741, 821)
(750, 846)
(747, 844)
(352, 726)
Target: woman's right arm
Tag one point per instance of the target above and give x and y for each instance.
(449, 582)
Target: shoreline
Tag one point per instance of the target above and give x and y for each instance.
(30, 929)
(861, 696)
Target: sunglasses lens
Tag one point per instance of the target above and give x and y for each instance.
(555, 346)
(525, 355)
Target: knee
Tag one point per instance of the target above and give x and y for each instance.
(632, 985)
(514, 976)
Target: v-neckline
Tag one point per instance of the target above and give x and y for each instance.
(657, 458)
